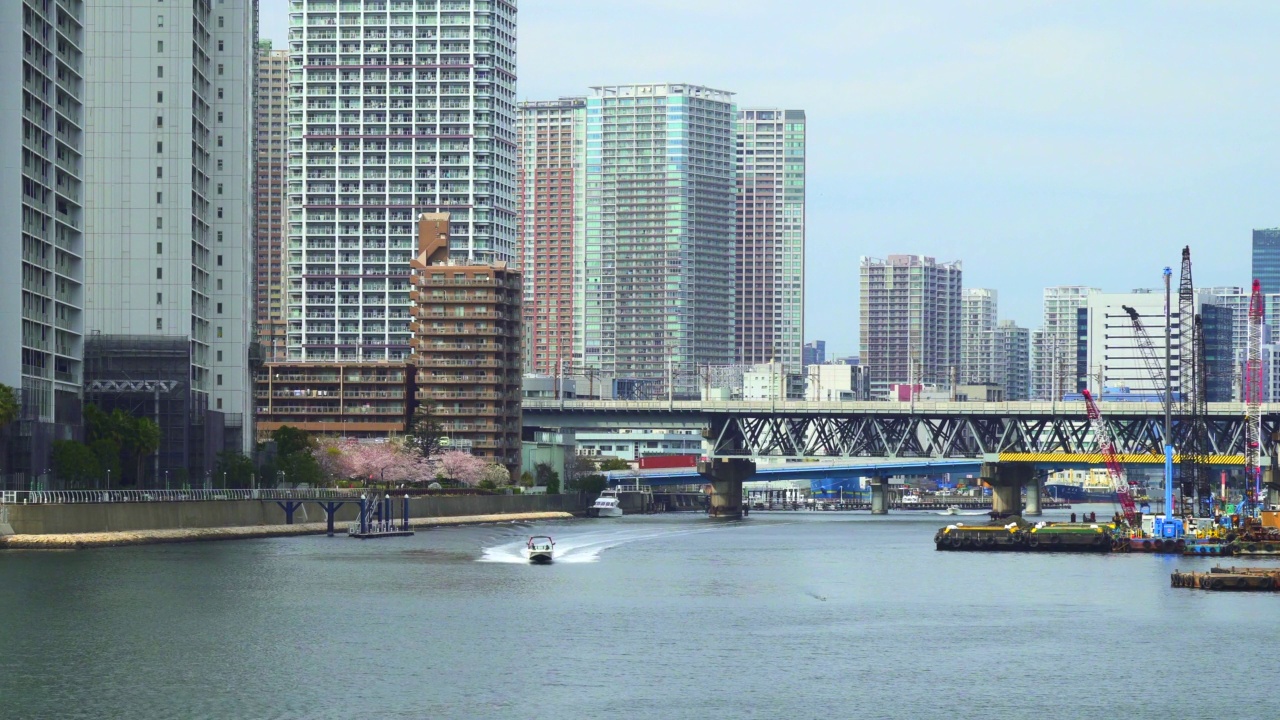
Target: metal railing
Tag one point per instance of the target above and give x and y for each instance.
(67, 497)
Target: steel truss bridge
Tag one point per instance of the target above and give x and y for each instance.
(1016, 431)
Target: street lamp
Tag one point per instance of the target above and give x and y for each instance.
(108, 478)
(166, 479)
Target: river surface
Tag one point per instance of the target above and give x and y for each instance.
(784, 615)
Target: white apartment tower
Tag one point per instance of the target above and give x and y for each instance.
(396, 108)
(909, 329)
(977, 336)
(1053, 348)
(41, 242)
(169, 216)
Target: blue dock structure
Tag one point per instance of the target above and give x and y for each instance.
(377, 520)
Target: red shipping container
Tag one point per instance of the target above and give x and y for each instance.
(649, 462)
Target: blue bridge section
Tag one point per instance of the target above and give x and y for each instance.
(806, 471)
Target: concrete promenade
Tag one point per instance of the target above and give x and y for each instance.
(145, 522)
(68, 541)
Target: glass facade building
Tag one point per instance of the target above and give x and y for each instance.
(658, 250)
(1266, 259)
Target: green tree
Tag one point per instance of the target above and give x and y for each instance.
(299, 468)
(75, 464)
(107, 452)
(526, 479)
(142, 441)
(234, 470)
(591, 484)
(292, 441)
(553, 483)
(613, 463)
(424, 433)
(9, 407)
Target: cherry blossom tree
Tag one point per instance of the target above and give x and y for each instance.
(375, 462)
(462, 467)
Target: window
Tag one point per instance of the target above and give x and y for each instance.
(219, 283)
(219, 233)
(159, 223)
(159, 171)
(159, 298)
(219, 46)
(219, 261)
(159, 21)
(219, 403)
(219, 116)
(159, 146)
(159, 248)
(219, 215)
(220, 68)
(159, 46)
(159, 96)
(219, 93)
(219, 141)
(159, 273)
(159, 197)
(219, 308)
(159, 324)
(219, 163)
(159, 121)
(219, 188)
(219, 21)
(219, 356)
(219, 378)
(159, 71)
(219, 331)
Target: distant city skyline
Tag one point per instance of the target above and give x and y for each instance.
(1065, 145)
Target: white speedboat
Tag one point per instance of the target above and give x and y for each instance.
(951, 510)
(606, 505)
(540, 549)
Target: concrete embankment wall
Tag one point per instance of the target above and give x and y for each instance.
(142, 516)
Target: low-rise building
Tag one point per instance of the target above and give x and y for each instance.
(837, 383)
(633, 445)
(358, 400)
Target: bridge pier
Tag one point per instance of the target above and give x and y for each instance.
(725, 475)
(1033, 496)
(1006, 481)
(879, 496)
(289, 507)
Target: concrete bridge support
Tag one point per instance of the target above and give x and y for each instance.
(1270, 488)
(1033, 496)
(1006, 481)
(879, 496)
(725, 476)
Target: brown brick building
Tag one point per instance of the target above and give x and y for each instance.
(466, 346)
(364, 400)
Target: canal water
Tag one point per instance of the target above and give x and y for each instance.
(796, 615)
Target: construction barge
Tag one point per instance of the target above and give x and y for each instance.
(1019, 536)
(1233, 578)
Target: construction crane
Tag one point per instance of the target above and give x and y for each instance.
(1107, 446)
(1193, 384)
(1253, 401)
(1166, 526)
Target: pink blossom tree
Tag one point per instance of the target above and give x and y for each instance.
(462, 467)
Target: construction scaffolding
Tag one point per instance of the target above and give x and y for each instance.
(149, 376)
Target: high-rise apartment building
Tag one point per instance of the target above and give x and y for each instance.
(269, 188)
(978, 308)
(909, 329)
(552, 219)
(396, 108)
(169, 218)
(41, 225)
(1054, 369)
(1012, 345)
(769, 299)
(658, 254)
(1266, 259)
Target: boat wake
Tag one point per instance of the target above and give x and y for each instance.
(582, 547)
(970, 513)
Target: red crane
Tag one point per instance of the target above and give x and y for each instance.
(1102, 435)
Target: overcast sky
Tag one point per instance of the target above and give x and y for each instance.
(1041, 143)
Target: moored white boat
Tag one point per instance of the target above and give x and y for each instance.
(540, 549)
(606, 505)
